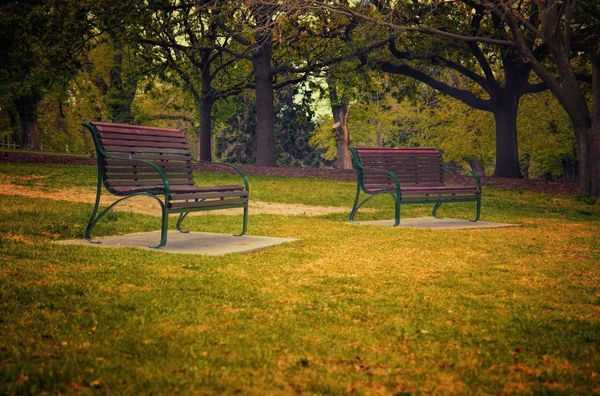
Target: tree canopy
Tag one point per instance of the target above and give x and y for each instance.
(490, 82)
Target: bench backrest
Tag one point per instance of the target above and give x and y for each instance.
(412, 166)
(167, 148)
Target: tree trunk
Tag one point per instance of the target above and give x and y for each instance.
(589, 160)
(507, 148)
(205, 134)
(120, 94)
(340, 108)
(27, 109)
(265, 107)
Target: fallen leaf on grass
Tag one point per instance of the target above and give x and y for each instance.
(21, 380)
(96, 384)
(78, 386)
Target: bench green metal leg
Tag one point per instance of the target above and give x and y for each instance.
(93, 220)
(355, 207)
(244, 222)
(397, 212)
(182, 217)
(435, 208)
(478, 210)
(164, 225)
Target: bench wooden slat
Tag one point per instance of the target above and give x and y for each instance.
(139, 144)
(419, 175)
(169, 167)
(213, 203)
(198, 189)
(399, 157)
(134, 129)
(402, 159)
(147, 176)
(140, 183)
(223, 194)
(448, 190)
(137, 150)
(122, 158)
(411, 151)
(143, 138)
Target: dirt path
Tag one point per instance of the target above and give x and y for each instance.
(148, 205)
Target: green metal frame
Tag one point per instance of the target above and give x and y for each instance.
(396, 193)
(164, 204)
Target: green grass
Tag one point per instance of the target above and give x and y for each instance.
(344, 309)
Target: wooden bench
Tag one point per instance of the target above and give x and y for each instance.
(156, 162)
(410, 176)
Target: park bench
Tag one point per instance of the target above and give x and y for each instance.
(410, 176)
(157, 162)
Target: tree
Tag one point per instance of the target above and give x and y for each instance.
(497, 77)
(189, 42)
(115, 69)
(340, 110)
(42, 42)
(286, 43)
(568, 31)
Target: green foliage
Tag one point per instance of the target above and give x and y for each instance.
(546, 136)
(323, 137)
(461, 132)
(60, 127)
(236, 139)
(41, 41)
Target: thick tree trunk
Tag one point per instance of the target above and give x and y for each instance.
(507, 148)
(342, 135)
(120, 95)
(265, 107)
(27, 109)
(340, 109)
(205, 134)
(207, 100)
(589, 160)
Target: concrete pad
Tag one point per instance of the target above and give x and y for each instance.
(191, 243)
(438, 224)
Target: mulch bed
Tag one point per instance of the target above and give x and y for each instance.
(545, 186)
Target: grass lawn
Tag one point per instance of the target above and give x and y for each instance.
(344, 309)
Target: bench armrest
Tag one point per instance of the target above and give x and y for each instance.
(238, 170)
(389, 172)
(475, 175)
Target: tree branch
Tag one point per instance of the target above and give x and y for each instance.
(482, 82)
(464, 96)
(348, 11)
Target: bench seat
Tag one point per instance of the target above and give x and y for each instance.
(409, 175)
